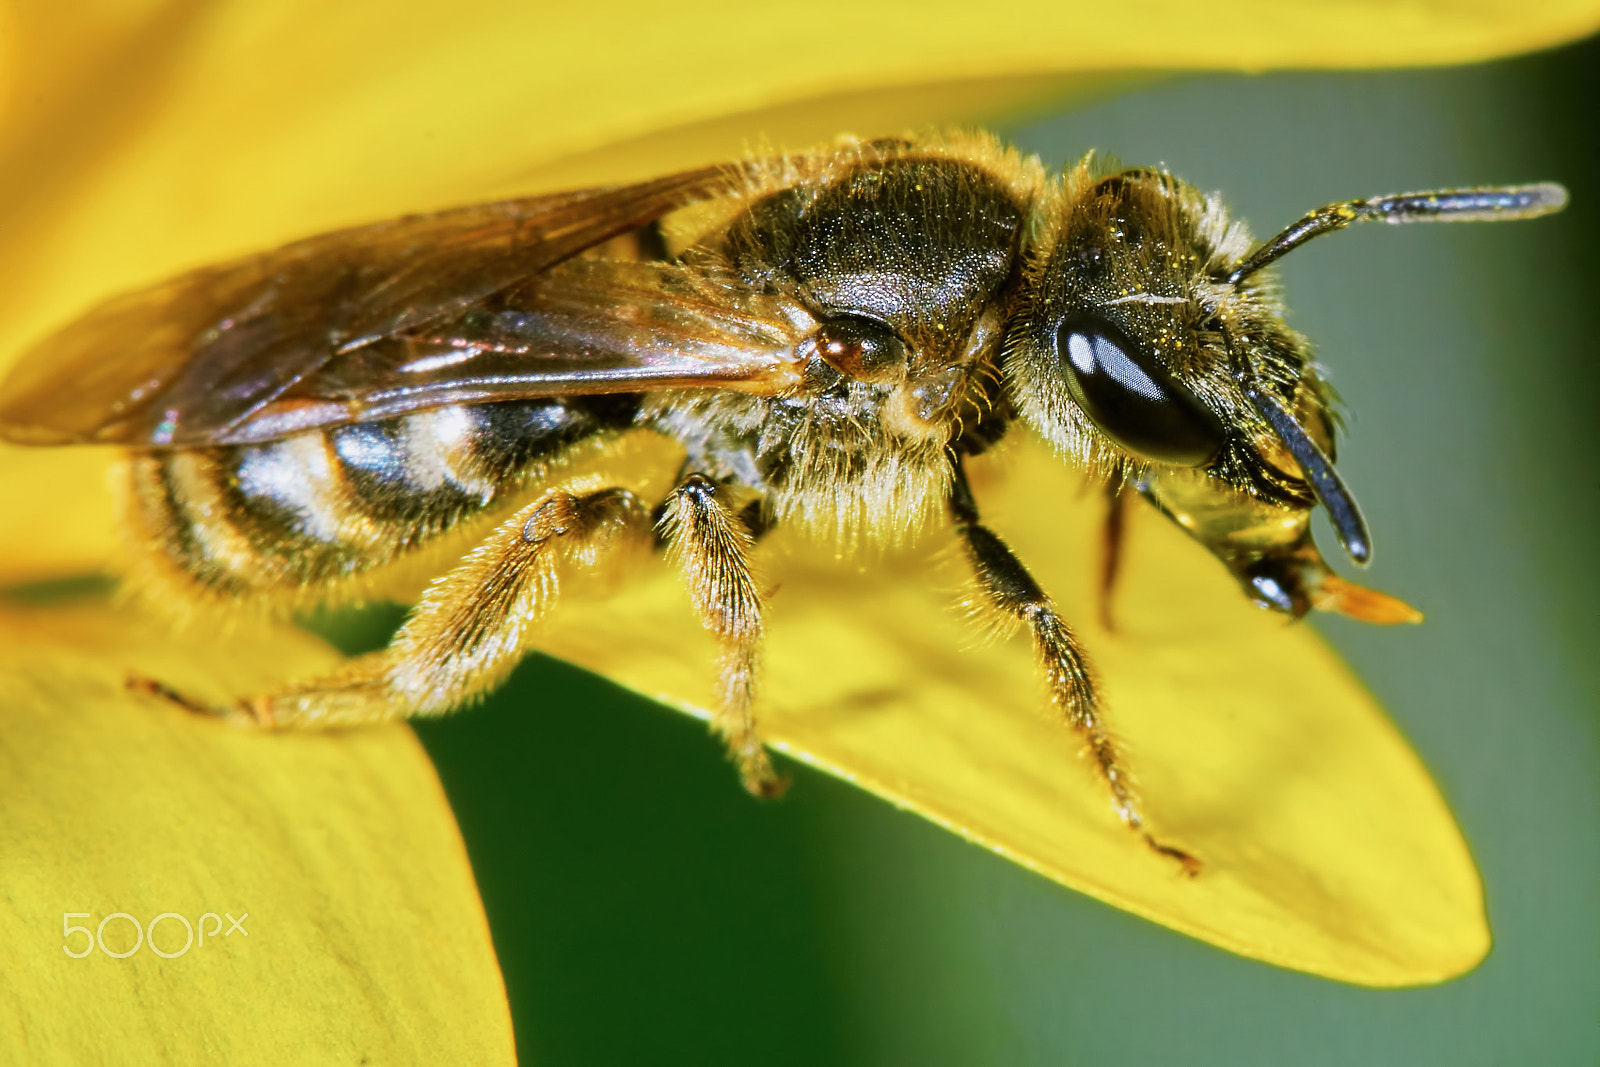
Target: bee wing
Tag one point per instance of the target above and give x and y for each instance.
(395, 316)
(587, 326)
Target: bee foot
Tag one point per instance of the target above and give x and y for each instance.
(760, 780)
(257, 711)
(1190, 864)
(138, 683)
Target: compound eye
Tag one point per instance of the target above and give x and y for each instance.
(860, 348)
(1131, 398)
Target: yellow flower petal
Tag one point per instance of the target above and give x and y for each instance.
(365, 940)
(1326, 846)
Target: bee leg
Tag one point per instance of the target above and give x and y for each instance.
(1112, 538)
(1009, 588)
(150, 687)
(468, 630)
(710, 543)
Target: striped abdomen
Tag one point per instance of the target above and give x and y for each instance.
(326, 505)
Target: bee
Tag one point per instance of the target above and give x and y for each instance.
(825, 337)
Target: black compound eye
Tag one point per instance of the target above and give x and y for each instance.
(1131, 398)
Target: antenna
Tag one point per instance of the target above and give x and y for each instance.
(1503, 203)
(1326, 484)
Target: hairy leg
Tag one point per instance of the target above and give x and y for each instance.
(469, 629)
(711, 544)
(1008, 588)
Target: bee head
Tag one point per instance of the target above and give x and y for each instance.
(1151, 348)
(1109, 358)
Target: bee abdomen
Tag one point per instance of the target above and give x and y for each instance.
(316, 507)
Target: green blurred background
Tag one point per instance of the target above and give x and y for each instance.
(646, 911)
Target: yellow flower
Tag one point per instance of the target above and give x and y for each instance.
(140, 139)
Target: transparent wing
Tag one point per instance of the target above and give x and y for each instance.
(586, 326)
(475, 304)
